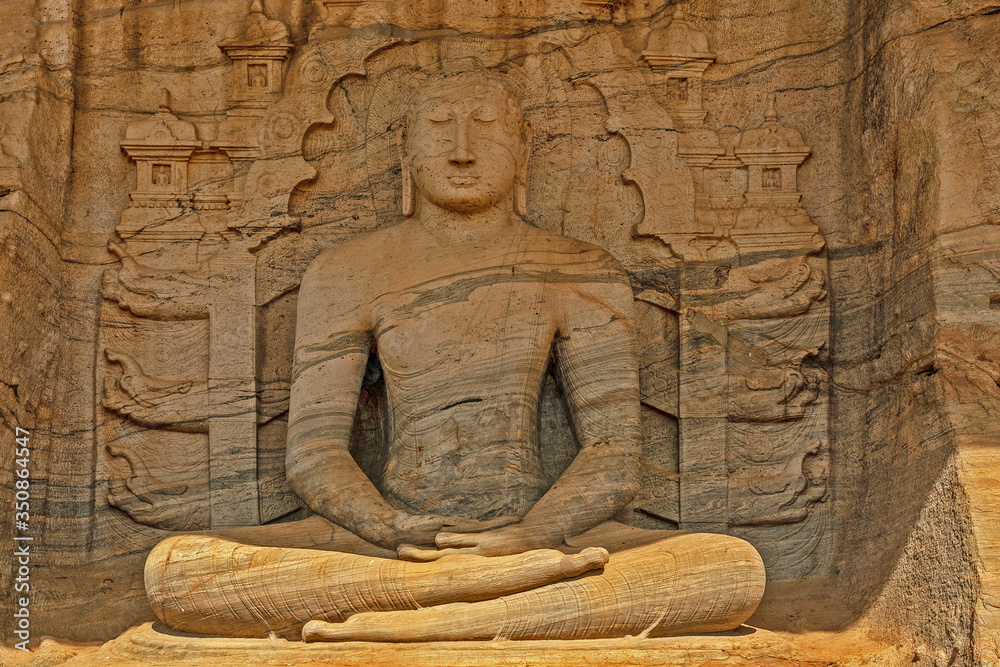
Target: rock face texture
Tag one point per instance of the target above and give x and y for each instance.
(801, 201)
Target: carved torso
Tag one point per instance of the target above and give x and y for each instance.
(464, 331)
(463, 336)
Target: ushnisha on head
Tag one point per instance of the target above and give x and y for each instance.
(465, 144)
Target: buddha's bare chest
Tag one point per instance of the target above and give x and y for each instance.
(466, 327)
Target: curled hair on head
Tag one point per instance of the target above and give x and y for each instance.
(466, 68)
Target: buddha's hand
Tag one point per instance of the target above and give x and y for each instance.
(512, 539)
(423, 529)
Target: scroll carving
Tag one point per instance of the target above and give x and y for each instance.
(788, 496)
(153, 402)
(771, 289)
(162, 294)
(176, 405)
(149, 500)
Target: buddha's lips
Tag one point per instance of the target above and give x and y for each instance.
(463, 180)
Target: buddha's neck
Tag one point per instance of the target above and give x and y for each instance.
(496, 222)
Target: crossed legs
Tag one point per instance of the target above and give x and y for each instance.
(688, 583)
(654, 583)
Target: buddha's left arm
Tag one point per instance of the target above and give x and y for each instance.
(597, 371)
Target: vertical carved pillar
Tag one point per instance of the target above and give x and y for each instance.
(232, 426)
(702, 406)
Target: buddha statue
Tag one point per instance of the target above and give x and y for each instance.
(465, 305)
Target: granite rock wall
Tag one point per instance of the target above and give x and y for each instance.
(898, 103)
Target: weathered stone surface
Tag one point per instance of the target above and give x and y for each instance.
(803, 197)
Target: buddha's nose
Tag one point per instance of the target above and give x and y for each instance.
(461, 154)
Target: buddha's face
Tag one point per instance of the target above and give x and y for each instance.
(464, 143)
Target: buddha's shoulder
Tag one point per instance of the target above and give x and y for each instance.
(358, 256)
(565, 250)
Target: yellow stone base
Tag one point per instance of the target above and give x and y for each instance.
(155, 645)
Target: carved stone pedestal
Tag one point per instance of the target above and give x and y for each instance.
(153, 644)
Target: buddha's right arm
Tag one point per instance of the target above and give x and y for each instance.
(326, 381)
(319, 467)
(333, 337)
(332, 341)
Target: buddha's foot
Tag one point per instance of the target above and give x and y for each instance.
(591, 558)
(409, 626)
(468, 578)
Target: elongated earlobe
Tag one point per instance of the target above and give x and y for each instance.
(521, 180)
(409, 194)
(409, 190)
(520, 198)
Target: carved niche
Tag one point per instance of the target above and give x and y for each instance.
(728, 269)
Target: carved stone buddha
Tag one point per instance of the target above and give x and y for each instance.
(465, 306)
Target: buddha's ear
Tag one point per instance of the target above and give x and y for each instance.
(521, 181)
(409, 191)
